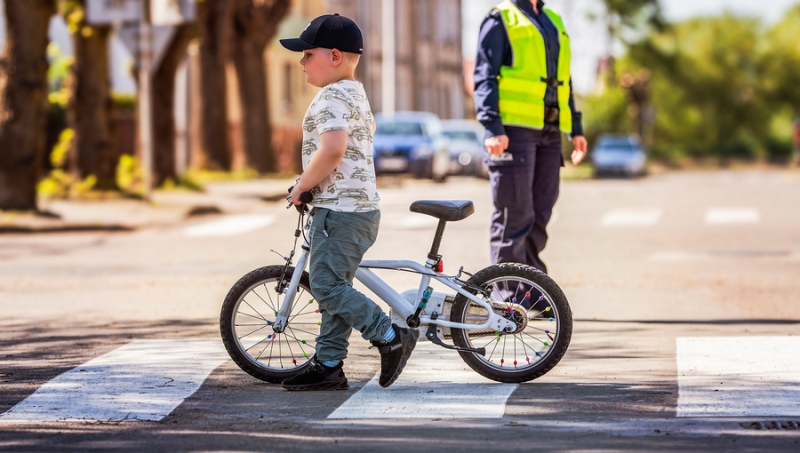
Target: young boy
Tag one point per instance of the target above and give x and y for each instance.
(338, 170)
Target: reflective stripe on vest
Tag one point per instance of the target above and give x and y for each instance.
(520, 85)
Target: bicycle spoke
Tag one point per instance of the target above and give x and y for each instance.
(243, 313)
(299, 344)
(267, 291)
(540, 341)
(310, 333)
(262, 327)
(265, 347)
(492, 353)
(259, 314)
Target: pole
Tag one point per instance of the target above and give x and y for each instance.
(388, 51)
(145, 128)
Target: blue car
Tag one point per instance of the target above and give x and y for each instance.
(411, 143)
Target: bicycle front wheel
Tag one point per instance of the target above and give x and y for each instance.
(534, 303)
(248, 315)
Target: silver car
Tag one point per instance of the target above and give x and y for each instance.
(618, 155)
(465, 146)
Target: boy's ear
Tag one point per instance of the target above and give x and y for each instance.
(336, 57)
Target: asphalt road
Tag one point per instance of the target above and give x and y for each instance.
(669, 277)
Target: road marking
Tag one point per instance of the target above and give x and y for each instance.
(738, 376)
(631, 217)
(436, 383)
(723, 216)
(143, 380)
(231, 225)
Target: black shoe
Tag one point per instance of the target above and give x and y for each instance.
(395, 354)
(318, 377)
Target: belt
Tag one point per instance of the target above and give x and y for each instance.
(552, 82)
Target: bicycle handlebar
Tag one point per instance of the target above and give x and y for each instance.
(305, 198)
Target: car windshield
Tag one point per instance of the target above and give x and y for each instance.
(461, 135)
(399, 128)
(617, 144)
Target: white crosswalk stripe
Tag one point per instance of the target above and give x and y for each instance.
(631, 217)
(722, 216)
(738, 376)
(143, 380)
(231, 225)
(435, 383)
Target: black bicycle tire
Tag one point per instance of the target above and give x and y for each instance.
(560, 343)
(238, 356)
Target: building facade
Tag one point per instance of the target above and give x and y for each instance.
(428, 60)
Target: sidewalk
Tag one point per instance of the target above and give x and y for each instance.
(165, 208)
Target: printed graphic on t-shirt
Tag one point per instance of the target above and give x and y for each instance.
(351, 187)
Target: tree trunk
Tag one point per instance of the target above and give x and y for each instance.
(23, 97)
(91, 112)
(248, 57)
(255, 24)
(214, 17)
(163, 117)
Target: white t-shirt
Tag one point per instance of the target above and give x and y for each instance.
(351, 187)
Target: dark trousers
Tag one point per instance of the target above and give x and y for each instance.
(524, 190)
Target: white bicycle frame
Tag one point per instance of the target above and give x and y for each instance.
(398, 303)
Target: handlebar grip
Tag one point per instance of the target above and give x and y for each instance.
(306, 197)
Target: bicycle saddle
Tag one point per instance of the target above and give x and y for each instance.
(448, 210)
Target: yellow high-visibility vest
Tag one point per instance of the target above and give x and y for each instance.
(520, 85)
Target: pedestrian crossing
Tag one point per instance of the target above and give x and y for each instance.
(622, 217)
(148, 379)
(651, 217)
(231, 225)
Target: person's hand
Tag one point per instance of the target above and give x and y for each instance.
(295, 194)
(580, 143)
(496, 144)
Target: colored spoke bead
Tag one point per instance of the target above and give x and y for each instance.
(514, 300)
(541, 298)
(269, 336)
(537, 354)
(294, 361)
(311, 301)
(269, 323)
(545, 343)
(501, 362)
(316, 311)
(498, 339)
(305, 354)
(303, 341)
(528, 359)
(546, 331)
(527, 294)
(276, 313)
(547, 309)
(551, 319)
(319, 323)
(515, 363)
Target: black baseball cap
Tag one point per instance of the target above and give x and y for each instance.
(330, 31)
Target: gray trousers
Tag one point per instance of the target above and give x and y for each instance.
(339, 241)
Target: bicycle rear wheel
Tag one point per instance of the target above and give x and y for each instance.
(544, 323)
(246, 320)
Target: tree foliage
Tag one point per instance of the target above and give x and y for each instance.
(721, 86)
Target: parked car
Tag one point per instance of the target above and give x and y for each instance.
(411, 142)
(618, 155)
(466, 147)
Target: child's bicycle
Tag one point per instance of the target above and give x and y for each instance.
(509, 322)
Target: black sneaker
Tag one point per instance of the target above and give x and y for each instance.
(395, 354)
(318, 377)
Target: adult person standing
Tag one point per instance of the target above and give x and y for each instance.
(523, 97)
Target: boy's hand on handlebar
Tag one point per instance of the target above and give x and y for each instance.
(299, 198)
(295, 195)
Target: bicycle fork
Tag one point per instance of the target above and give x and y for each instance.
(281, 318)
